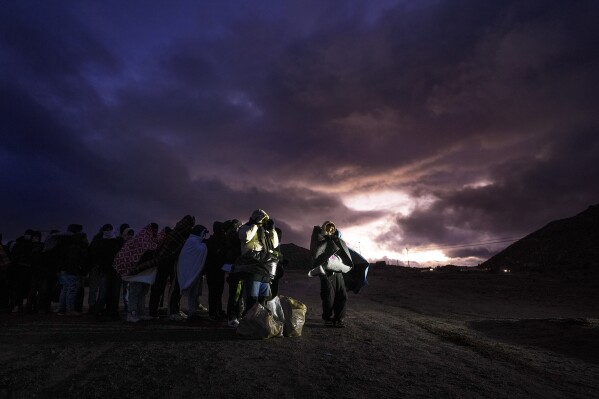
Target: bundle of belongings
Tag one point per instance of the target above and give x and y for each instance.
(282, 316)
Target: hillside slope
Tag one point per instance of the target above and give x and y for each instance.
(565, 245)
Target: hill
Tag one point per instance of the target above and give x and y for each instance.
(566, 245)
(298, 258)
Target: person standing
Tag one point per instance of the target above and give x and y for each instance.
(331, 258)
(125, 234)
(37, 281)
(73, 266)
(103, 250)
(166, 259)
(19, 273)
(259, 257)
(215, 276)
(138, 249)
(190, 267)
(5, 263)
(235, 300)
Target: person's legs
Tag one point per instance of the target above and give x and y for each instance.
(44, 295)
(192, 297)
(80, 294)
(94, 281)
(216, 282)
(126, 295)
(113, 295)
(73, 285)
(62, 301)
(141, 302)
(235, 294)
(135, 290)
(252, 291)
(157, 290)
(327, 295)
(263, 293)
(219, 289)
(175, 297)
(99, 306)
(340, 297)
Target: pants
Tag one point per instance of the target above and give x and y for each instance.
(192, 296)
(137, 297)
(70, 287)
(175, 294)
(4, 301)
(126, 295)
(40, 292)
(95, 275)
(109, 293)
(157, 292)
(79, 296)
(333, 295)
(19, 280)
(216, 287)
(257, 289)
(235, 302)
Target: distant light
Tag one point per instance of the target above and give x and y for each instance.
(431, 269)
(506, 270)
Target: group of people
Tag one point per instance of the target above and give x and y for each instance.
(124, 264)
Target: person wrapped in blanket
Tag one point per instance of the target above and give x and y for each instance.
(331, 258)
(259, 257)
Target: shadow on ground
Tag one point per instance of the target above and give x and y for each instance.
(573, 337)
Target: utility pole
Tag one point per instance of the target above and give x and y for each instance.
(408, 256)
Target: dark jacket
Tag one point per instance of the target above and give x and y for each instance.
(76, 259)
(323, 246)
(102, 252)
(216, 249)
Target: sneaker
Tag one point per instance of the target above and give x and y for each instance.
(145, 317)
(233, 323)
(329, 322)
(202, 308)
(132, 317)
(339, 323)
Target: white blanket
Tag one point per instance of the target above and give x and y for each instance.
(191, 261)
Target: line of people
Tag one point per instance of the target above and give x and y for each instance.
(34, 274)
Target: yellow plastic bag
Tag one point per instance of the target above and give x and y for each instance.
(295, 316)
(259, 323)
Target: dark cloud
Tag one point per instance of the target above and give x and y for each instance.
(482, 112)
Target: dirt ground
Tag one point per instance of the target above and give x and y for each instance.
(449, 335)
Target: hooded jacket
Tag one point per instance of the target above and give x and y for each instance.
(130, 254)
(323, 246)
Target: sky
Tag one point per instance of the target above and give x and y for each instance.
(431, 132)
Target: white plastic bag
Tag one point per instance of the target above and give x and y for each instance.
(274, 306)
